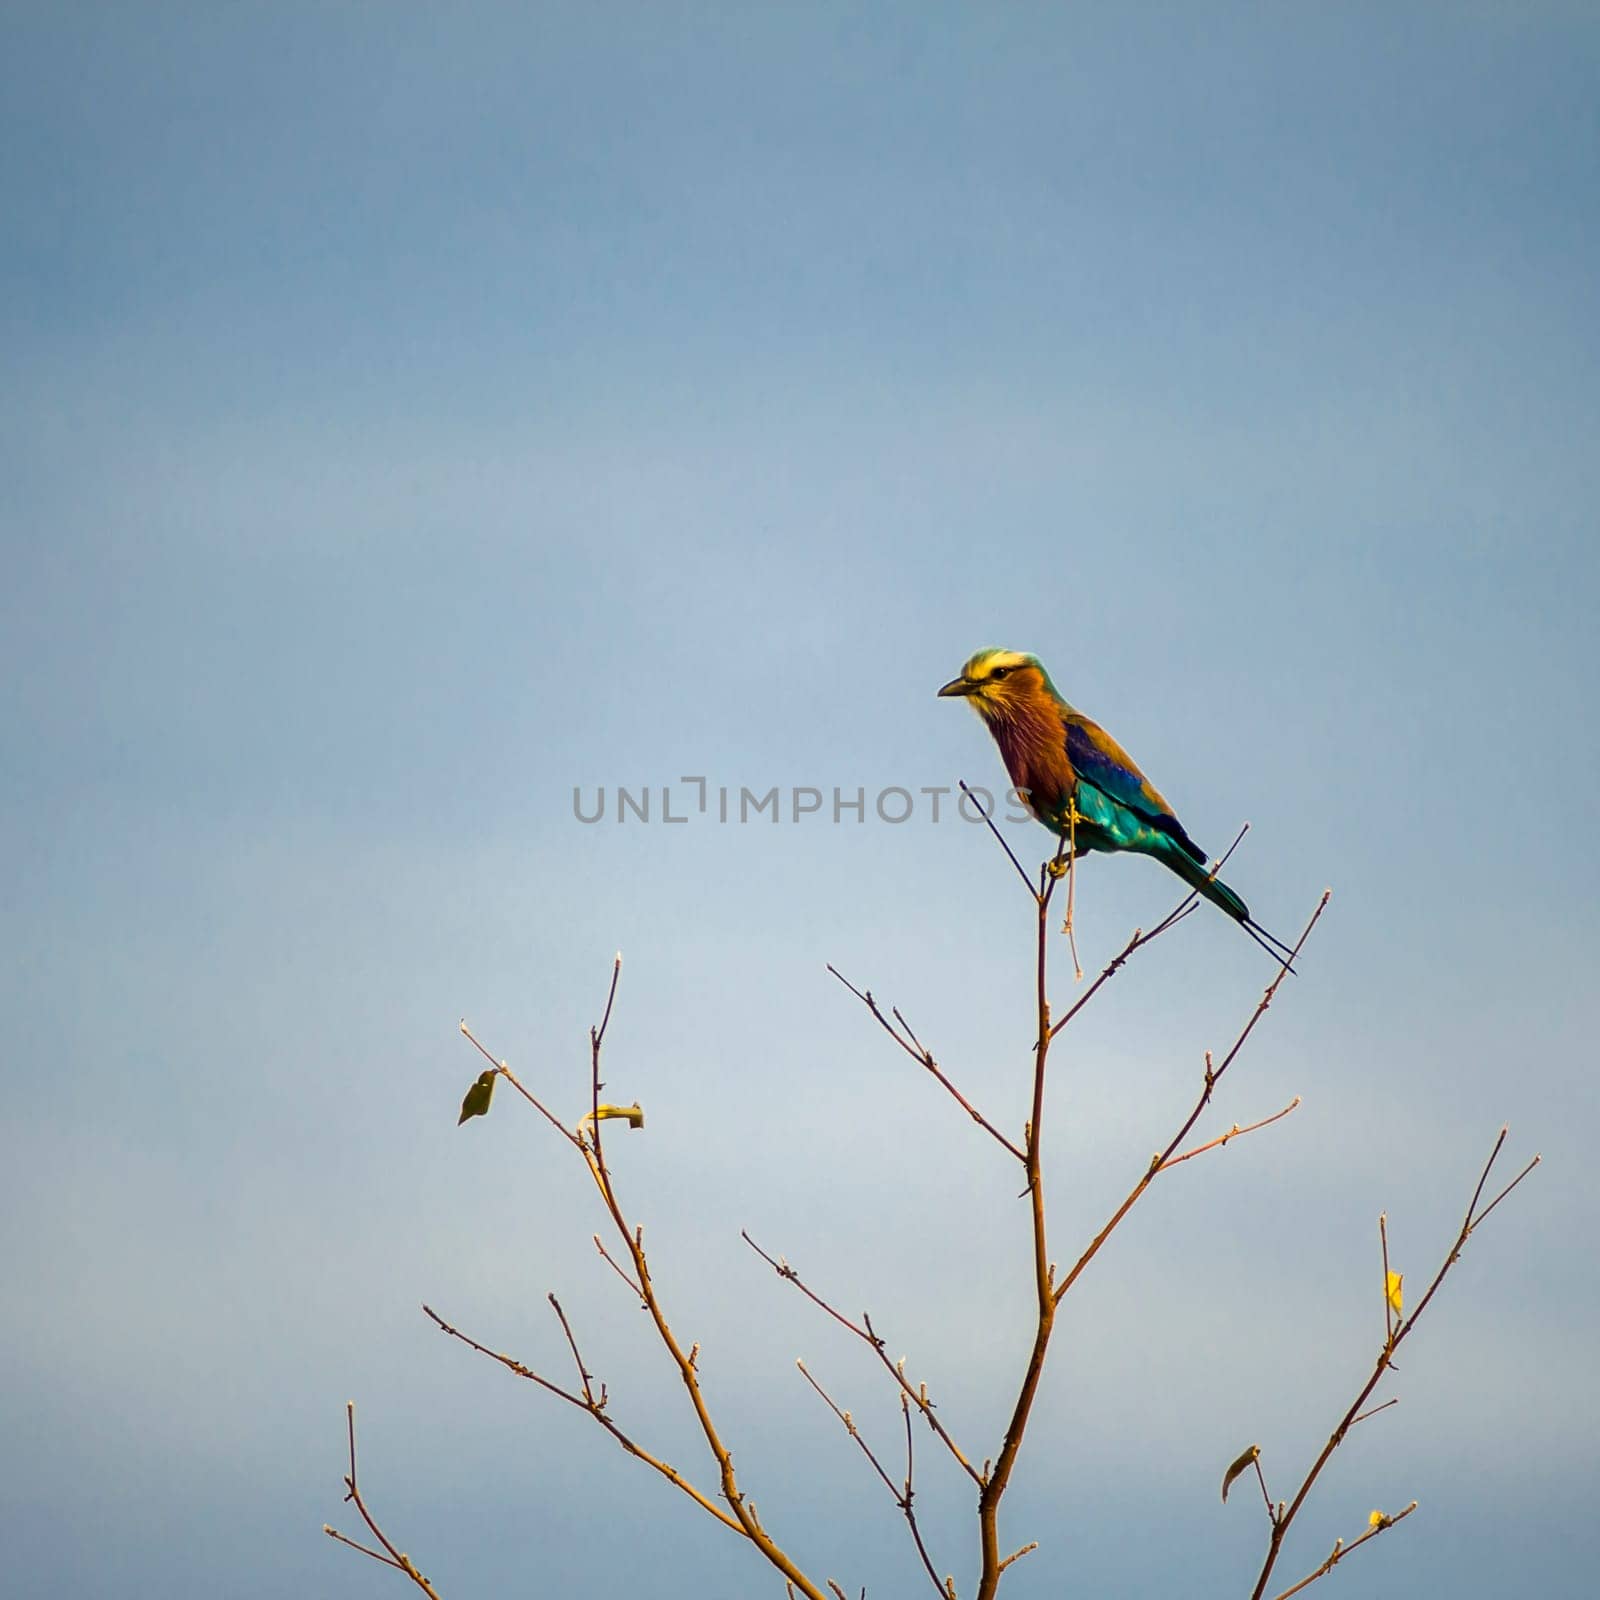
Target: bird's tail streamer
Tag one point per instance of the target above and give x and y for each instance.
(1219, 894)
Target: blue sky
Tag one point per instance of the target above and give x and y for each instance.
(412, 415)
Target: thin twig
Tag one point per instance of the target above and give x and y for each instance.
(1477, 1221)
(1388, 1303)
(1140, 939)
(1213, 1075)
(902, 1499)
(1468, 1227)
(583, 1372)
(1027, 883)
(1017, 1555)
(611, 1262)
(1399, 1330)
(599, 1034)
(1137, 941)
(1341, 1550)
(633, 1239)
(355, 1544)
(589, 1144)
(914, 1048)
(850, 1427)
(1235, 1132)
(864, 1331)
(671, 1474)
(1488, 1167)
(1261, 1478)
(1375, 1410)
(511, 1078)
(910, 1494)
(596, 1040)
(397, 1559)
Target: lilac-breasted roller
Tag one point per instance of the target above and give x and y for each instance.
(1056, 755)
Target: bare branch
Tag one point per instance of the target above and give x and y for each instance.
(1235, 1132)
(868, 1335)
(1468, 1228)
(671, 1474)
(909, 1496)
(1388, 1302)
(1399, 1330)
(355, 1544)
(902, 1498)
(511, 1078)
(589, 1144)
(850, 1427)
(1140, 939)
(914, 1048)
(1017, 1555)
(1261, 1478)
(1137, 942)
(739, 1512)
(583, 1371)
(1375, 1410)
(598, 1035)
(1341, 1550)
(1027, 882)
(390, 1556)
(1213, 1075)
(610, 1262)
(1483, 1177)
(1476, 1221)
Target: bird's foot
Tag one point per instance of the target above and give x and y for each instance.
(1059, 867)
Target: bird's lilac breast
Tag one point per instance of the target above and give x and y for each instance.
(1034, 751)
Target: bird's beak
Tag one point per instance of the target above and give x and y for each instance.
(957, 686)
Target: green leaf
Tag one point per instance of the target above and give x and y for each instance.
(478, 1097)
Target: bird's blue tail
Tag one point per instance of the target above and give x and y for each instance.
(1200, 879)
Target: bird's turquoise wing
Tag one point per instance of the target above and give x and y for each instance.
(1102, 764)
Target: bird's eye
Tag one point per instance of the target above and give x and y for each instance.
(1000, 672)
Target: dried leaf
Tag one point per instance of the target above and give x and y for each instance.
(478, 1097)
(1242, 1464)
(633, 1113)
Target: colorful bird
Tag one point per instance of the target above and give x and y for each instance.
(1056, 757)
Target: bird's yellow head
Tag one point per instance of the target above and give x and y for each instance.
(996, 683)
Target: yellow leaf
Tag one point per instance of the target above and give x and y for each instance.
(1379, 1520)
(633, 1113)
(1395, 1281)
